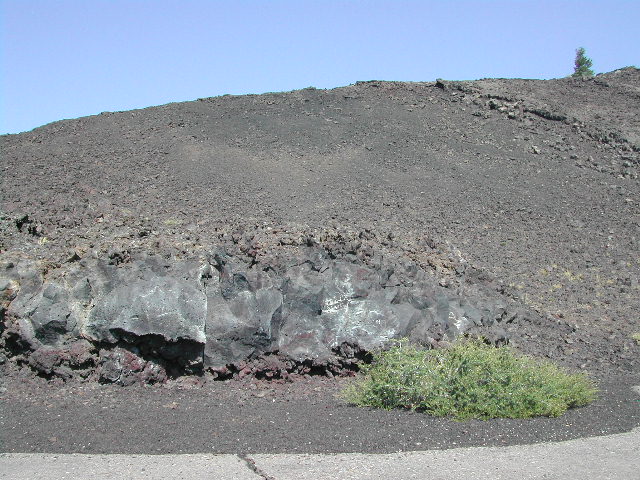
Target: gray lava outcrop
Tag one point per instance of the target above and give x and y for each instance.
(149, 318)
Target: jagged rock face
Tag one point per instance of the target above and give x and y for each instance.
(149, 318)
(164, 306)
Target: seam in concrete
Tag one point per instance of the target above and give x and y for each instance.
(251, 465)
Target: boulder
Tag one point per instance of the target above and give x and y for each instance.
(343, 303)
(125, 367)
(244, 315)
(164, 306)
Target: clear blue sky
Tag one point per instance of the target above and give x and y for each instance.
(69, 58)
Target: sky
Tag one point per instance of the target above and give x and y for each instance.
(70, 58)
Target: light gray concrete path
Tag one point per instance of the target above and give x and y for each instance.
(37, 466)
(608, 457)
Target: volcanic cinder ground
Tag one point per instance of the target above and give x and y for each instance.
(532, 185)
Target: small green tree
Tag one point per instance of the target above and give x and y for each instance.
(582, 64)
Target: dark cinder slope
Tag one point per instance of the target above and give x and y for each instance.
(533, 182)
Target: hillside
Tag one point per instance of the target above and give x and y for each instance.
(528, 189)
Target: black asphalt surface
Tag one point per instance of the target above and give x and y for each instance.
(259, 417)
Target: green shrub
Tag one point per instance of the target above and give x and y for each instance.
(468, 380)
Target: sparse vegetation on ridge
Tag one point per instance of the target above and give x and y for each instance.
(582, 64)
(468, 380)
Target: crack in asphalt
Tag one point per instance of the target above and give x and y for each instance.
(251, 465)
